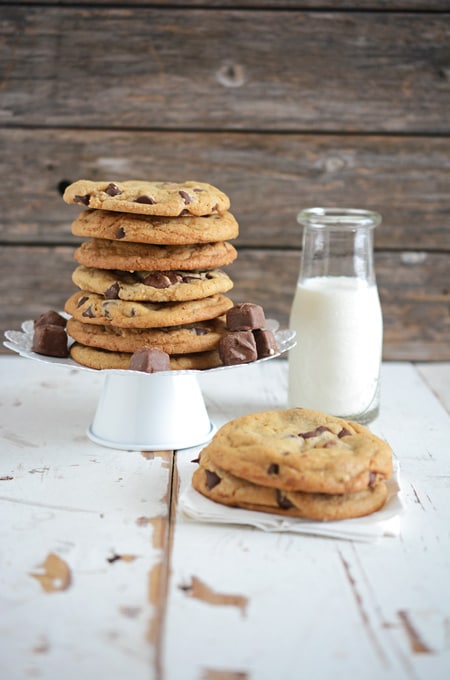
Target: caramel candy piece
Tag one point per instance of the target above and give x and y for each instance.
(50, 317)
(266, 345)
(150, 360)
(237, 348)
(245, 316)
(50, 340)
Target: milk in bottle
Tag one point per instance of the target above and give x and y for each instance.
(336, 314)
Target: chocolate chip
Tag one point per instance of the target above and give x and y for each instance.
(157, 280)
(184, 212)
(81, 301)
(112, 293)
(273, 469)
(212, 479)
(198, 191)
(188, 278)
(50, 318)
(50, 340)
(185, 196)
(120, 233)
(112, 189)
(200, 330)
(283, 502)
(314, 433)
(344, 433)
(88, 312)
(145, 199)
(84, 200)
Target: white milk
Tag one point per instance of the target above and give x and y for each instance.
(335, 364)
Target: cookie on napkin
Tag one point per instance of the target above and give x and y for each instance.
(222, 487)
(301, 450)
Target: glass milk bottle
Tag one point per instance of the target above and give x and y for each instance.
(336, 314)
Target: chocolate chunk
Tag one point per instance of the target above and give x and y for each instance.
(344, 433)
(273, 469)
(186, 198)
(81, 301)
(50, 318)
(282, 501)
(212, 479)
(88, 312)
(314, 433)
(112, 293)
(188, 278)
(237, 348)
(162, 279)
(157, 280)
(120, 233)
(266, 345)
(150, 360)
(112, 189)
(84, 200)
(184, 212)
(50, 340)
(145, 199)
(200, 330)
(245, 316)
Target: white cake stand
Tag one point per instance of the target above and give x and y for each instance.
(146, 411)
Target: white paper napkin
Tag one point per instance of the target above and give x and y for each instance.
(385, 522)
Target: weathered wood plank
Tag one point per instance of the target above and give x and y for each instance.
(218, 68)
(414, 291)
(379, 5)
(269, 178)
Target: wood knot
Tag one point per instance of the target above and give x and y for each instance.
(231, 75)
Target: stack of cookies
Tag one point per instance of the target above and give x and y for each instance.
(150, 274)
(298, 463)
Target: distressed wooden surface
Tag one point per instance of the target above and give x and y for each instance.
(225, 69)
(131, 589)
(269, 178)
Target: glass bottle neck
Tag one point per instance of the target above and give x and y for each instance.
(336, 251)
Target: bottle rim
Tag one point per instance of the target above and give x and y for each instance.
(342, 218)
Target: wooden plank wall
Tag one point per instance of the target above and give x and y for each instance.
(283, 105)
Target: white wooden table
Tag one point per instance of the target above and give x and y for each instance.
(100, 577)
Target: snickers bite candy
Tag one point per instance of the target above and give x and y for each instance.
(150, 360)
(238, 347)
(51, 340)
(50, 318)
(245, 316)
(266, 345)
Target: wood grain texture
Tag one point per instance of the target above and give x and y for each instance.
(269, 178)
(414, 291)
(378, 5)
(225, 69)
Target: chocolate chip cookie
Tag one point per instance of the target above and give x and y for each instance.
(103, 359)
(149, 198)
(197, 337)
(186, 230)
(223, 487)
(301, 450)
(93, 308)
(152, 286)
(104, 254)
